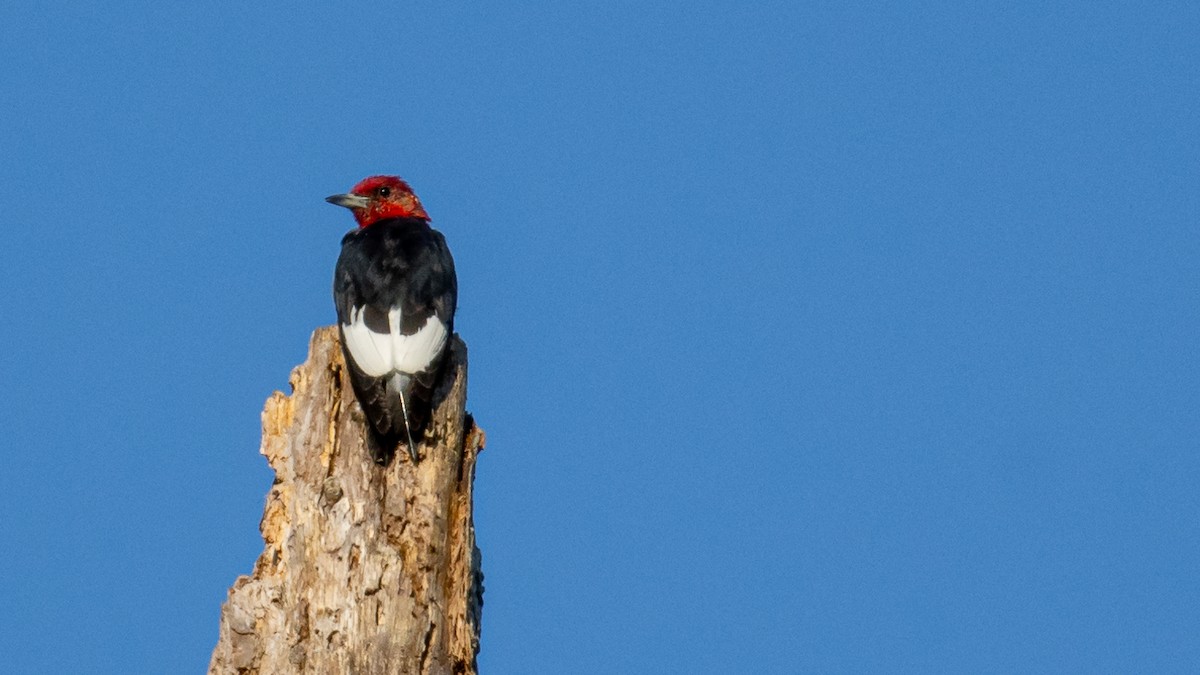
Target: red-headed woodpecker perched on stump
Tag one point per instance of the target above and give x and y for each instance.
(395, 291)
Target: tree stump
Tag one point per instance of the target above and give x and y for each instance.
(366, 568)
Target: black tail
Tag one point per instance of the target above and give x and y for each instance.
(398, 424)
(388, 410)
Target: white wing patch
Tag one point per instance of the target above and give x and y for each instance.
(378, 354)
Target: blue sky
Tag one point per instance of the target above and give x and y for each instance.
(820, 337)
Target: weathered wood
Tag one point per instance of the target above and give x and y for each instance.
(366, 569)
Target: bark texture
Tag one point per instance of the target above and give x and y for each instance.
(366, 569)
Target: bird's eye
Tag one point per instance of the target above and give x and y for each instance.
(384, 192)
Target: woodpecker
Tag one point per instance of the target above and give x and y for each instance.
(395, 292)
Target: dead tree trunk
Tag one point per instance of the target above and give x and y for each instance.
(366, 569)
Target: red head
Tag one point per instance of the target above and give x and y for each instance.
(379, 198)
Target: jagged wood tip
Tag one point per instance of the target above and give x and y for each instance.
(365, 569)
